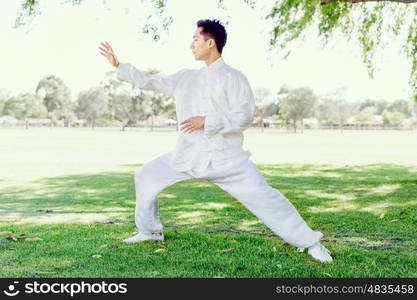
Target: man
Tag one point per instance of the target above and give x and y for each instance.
(214, 105)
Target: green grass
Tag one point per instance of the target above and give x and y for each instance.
(78, 204)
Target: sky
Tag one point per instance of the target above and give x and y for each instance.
(64, 41)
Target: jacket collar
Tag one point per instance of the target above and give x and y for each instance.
(214, 65)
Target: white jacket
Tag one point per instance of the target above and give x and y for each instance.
(220, 93)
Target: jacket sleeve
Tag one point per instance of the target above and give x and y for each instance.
(242, 108)
(152, 82)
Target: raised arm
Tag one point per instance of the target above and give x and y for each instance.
(152, 82)
(127, 72)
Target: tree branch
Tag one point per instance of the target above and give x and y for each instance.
(324, 2)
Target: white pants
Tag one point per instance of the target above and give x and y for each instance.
(239, 178)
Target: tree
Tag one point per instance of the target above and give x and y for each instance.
(369, 22)
(114, 88)
(129, 107)
(367, 103)
(330, 111)
(326, 111)
(25, 106)
(157, 104)
(261, 96)
(132, 105)
(56, 97)
(366, 115)
(381, 105)
(402, 106)
(92, 104)
(170, 110)
(271, 109)
(393, 118)
(363, 20)
(298, 104)
(4, 95)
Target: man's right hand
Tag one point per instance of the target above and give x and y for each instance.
(107, 51)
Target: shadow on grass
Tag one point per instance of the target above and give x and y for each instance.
(362, 210)
(370, 206)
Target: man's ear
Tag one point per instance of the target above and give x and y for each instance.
(212, 43)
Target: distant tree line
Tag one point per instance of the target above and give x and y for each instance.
(111, 103)
(293, 106)
(114, 103)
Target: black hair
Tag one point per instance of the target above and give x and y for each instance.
(215, 30)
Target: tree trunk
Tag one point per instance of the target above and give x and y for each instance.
(302, 125)
(262, 121)
(295, 125)
(125, 125)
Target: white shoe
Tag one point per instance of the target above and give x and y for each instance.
(140, 237)
(318, 252)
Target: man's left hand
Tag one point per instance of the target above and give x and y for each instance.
(192, 124)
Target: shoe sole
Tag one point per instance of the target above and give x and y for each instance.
(322, 261)
(299, 249)
(133, 242)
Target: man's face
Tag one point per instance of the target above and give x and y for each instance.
(199, 46)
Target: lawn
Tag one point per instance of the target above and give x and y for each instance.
(67, 201)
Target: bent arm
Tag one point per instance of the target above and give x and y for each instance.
(242, 110)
